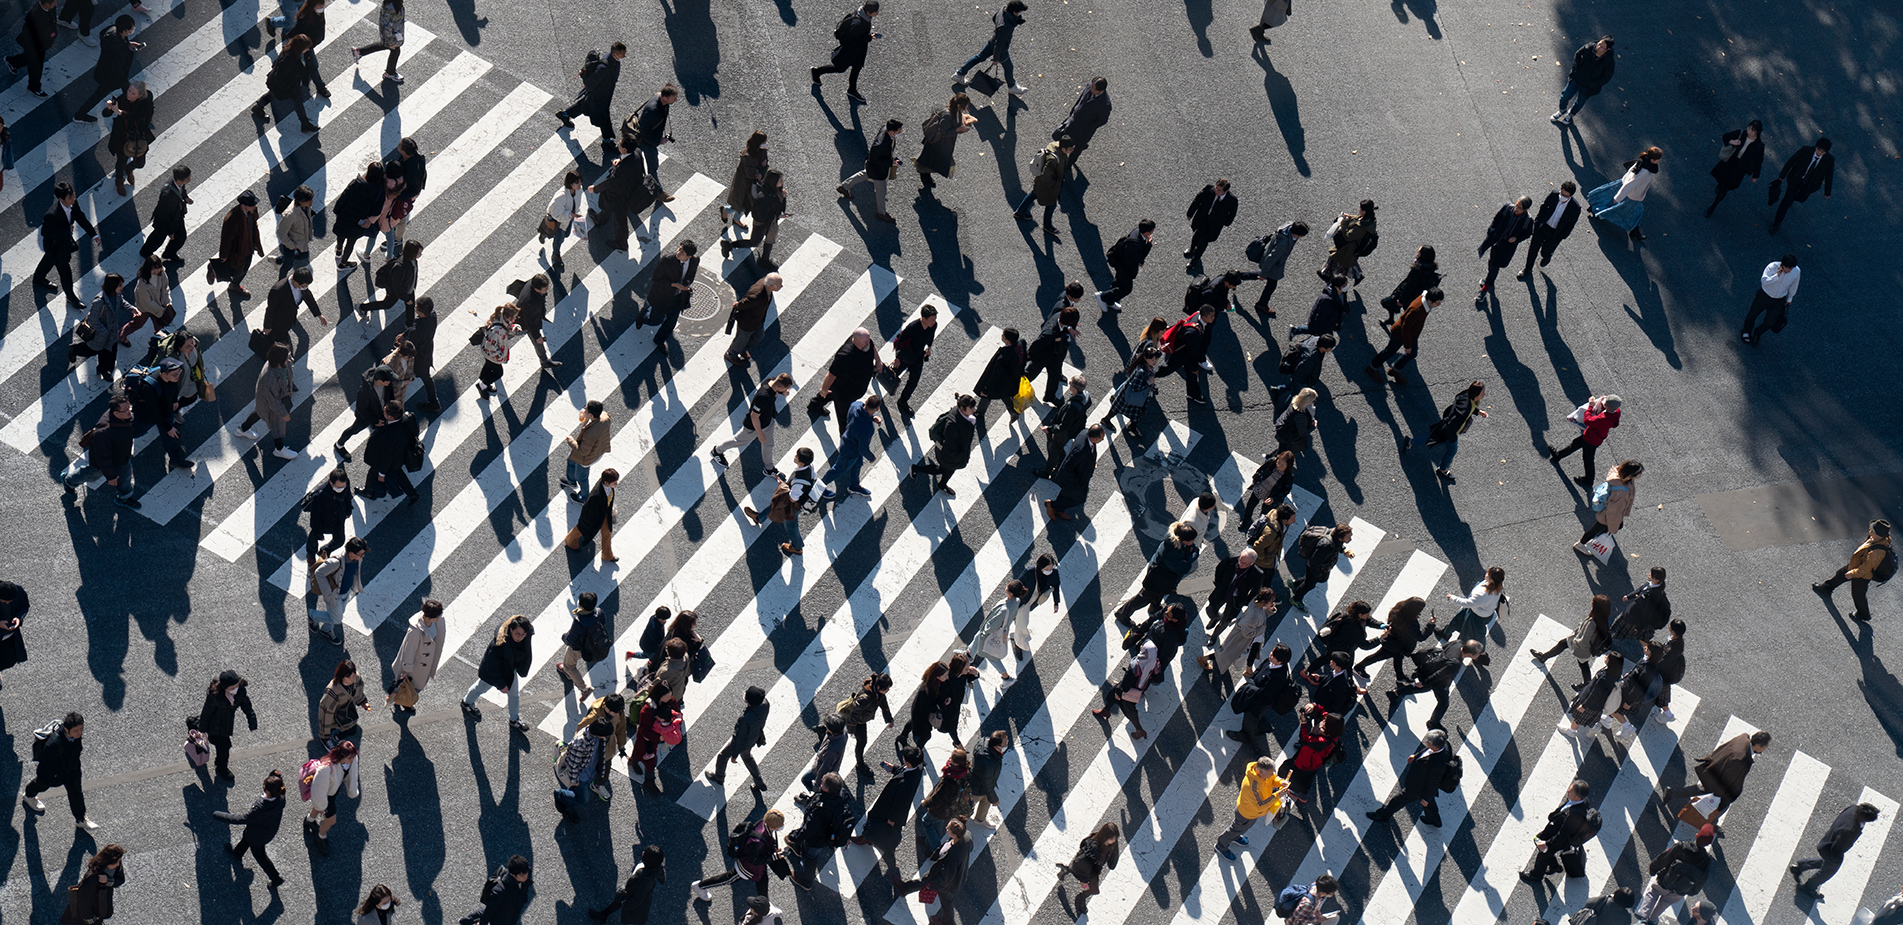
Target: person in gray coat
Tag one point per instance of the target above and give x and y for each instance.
(110, 313)
(1276, 247)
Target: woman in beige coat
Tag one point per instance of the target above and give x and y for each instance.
(585, 448)
(1621, 485)
(336, 773)
(422, 650)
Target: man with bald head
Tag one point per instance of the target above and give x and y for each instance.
(848, 377)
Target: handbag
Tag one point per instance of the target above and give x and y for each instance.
(1602, 546)
(197, 748)
(1026, 394)
(404, 694)
(206, 392)
(1282, 813)
(84, 331)
(1573, 861)
(1777, 186)
(134, 147)
(413, 460)
(71, 915)
(1699, 813)
(1578, 416)
(260, 342)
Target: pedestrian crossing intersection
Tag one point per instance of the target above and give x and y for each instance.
(889, 583)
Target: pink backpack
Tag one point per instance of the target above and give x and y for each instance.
(305, 775)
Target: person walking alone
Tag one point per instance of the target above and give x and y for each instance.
(389, 38)
(857, 440)
(1209, 213)
(854, 35)
(763, 412)
(56, 239)
(941, 130)
(1276, 248)
(508, 658)
(1678, 872)
(1566, 832)
(910, 349)
(261, 823)
(1741, 153)
(749, 733)
(879, 167)
(952, 436)
(1875, 559)
(224, 699)
(57, 764)
(1003, 23)
(336, 774)
(39, 29)
(1404, 337)
(586, 446)
(1096, 856)
(1420, 779)
(1622, 201)
(747, 175)
(1592, 69)
(1777, 288)
(596, 100)
(1048, 184)
(1612, 507)
(1126, 259)
(1831, 849)
(1596, 419)
(1454, 421)
(1089, 113)
(597, 518)
(1806, 171)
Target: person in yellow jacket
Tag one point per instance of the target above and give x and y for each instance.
(1262, 794)
(614, 709)
(1864, 564)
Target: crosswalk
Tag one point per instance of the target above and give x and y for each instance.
(892, 582)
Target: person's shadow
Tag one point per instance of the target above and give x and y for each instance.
(1423, 10)
(1201, 14)
(1282, 103)
(690, 29)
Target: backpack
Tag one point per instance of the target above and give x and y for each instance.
(589, 62)
(124, 385)
(844, 30)
(1368, 244)
(1036, 164)
(596, 644)
(1192, 295)
(1289, 898)
(1291, 357)
(937, 431)
(935, 126)
(1311, 541)
(1885, 570)
(1450, 776)
(305, 775)
(742, 831)
(1256, 249)
(1286, 699)
(1602, 492)
(43, 736)
(1177, 335)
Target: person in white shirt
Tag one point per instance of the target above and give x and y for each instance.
(567, 210)
(1622, 201)
(1777, 286)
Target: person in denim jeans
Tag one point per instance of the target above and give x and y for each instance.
(855, 447)
(582, 766)
(1592, 70)
(585, 448)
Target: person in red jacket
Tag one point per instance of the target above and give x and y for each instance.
(1596, 419)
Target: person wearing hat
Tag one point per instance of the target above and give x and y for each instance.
(236, 244)
(583, 766)
(1596, 419)
(1875, 553)
(1048, 183)
(1677, 873)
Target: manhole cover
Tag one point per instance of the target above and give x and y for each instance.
(706, 313)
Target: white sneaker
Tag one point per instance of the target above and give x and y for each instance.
(33, 804)
(90, 41)
(1668, 716)
(86, 825)
(1609, 721)
(1018, 90)
(251, 434)
(1207, 366)
(603, 792)
(284, 452)
(1557, 118)
(700, 893)
(1584, 550)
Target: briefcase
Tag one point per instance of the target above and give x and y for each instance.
(1573, 862)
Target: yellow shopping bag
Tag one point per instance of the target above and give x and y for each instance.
(1026, 395)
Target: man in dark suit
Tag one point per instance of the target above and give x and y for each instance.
(1087, 115)
(1723, 771)
(952, 435)
(387, 452)
(1808, 170)
(1420, 780)
(885, 819)
(56, 234)
(1069, 420)
(1837, 842)
(877, 169)
(624, 192)
(1558, 213)
(651, 133)
(168, 218)
(281, 301)
(1511, 225)
(1238, 578)
(1335, 691)
(1209, 213)
(1073, 474)
(422, 333)
(260, 826)
(1126, 259)
(1567, 829)
(854, 35)
(671, 289)
(38, 31)
(596, 98)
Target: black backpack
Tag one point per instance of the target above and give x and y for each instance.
(596, 644)
(1311, 540)
(1291, 357)
(1191, 296)
(843, 31)
(1450, 776)
(1368, 244)
(737, 839)
(1885, 570)
(43, 737)
(1286, 699)
(589, 62)
(1256, 249)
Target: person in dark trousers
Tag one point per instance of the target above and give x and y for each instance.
(1837, 842)
(596, 99)
(155, 404)
(1678, 872)
(1003, 23)
(1073, 474)
(754, 848)
(1601, 414)
(1070, 418)
(671, 289)
(898, 799)
(1319, 562)
(377, 388)
(1592, 69)
(1209, 213)
(1187, 341)
(1554, 221)
(1454, 421)
(56, 237)
(531, 302)
(1046, 354)
(38, 31)
(1567, 829)
(1048, 184)
(1511, 225)
(854, 35)
(400, 277)
(1259, 697)
(999, 380)
(285, 82)
(1401, 636)
(769, 206)
(877, 169)
(635, 899)
(57, 765)
(1173, 559)
(1404, 337)
(387, 453)
(1337, 690)
(281, 301)
(945, 876)
(650, 133)
(827, 826)
(952, 436)
(330, 506)
(1777, 287)
(623, 194)
(1722, 772)
(218, 717)
(1743, 155)
(1126, 259)
(168, 218)
(1089, 113)
(910, 349)
(858, 435)
(749, 733)
(1875, 555)
(1238, 579)
(238, 240)
(853, 366)
(504, 897)
(1420, 780)
(1435, 671)
(1277, 245)
(1806, 171)
(1331, 306)
(422, 333)
(260, 823)
(91, 898)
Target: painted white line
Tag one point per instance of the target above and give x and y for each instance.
(1763, 872)
(213, 192)
(1838, 905)
(1542, 790)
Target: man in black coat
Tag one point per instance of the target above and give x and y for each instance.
(57, 765)
(1073, 474)
(847, 377)
(1435, 671)
(1069, 419)
(1592, 69)
(1259, 697)
(280, 305)
(1310, 354)
(1189, 357)
(1558, 213)
(1238, 578)
(1567, 829)
(505, 896)
(109, 452)
(377, 389)
(1319, 566)
(596, 98)
(1126, 259)
(1420, 780)
(56, 238)
(1087, 115)
(155, 404)
(1511, 225)
(1335, 691)
(168, 218)
(1324, 317)
(885, 819)
(422, 333)
(827, 826)
(650, 132)
(38, 31)
(388, 450)
(749, 733)
(1808, 170)
(330, 506)
(946, 876)
(625, 192)
(854, 35)
(260, 826)
(1837, 842)
(878, 167)
(910, 350)
(952, 435)
(671, 289)
(1209, 213)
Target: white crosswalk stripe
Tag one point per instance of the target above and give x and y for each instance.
(1762, 874)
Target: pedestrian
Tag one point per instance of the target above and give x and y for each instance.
(1047, 183)
(670, 290)
(114, 67)
(78, 15)
(1352, 237)
(508, 657)
(581, 767)
(949, 800)
(826, 826)
(1648, 609)
(941, 130)
(1421, 777)
(1592, 69)
(295, 228)
(13, 608)
(422, 332)
(1326, 314)
(339, 705)
(338, 580)
(748, 315)
(857, 441)
(1047, 352)
(880, 166)
(505, 895)
(1295, 426)
(1009, 619)
(151, 300)
(356, 210)
(1238, 580)
(1436, 671)
(1589, 640)
(99, 333)
(398, 280)
(769, 206)
(1096, 856)
(1003, 23)
(859, 709)
(1340, 689)
(1511, 225)
(944, 877)
(531, 302)
(1209, 213)
(1454, 421)
(285, 82)
(106, 449)
(658, 722)
(1560, 844)
(885, 818)
(260, 823)
(1401, 635)
(1073, 473)
(57, 764)
(1274, 13)
(419, 656)
(598, 77)
(635, 899)
(645, 131)
(1126, 259)
(960, 674)
(624, 193)
(389, 38)
(156, 403)
(1132, 398)
(494, 341)
(1678, 872)
(614, 709)
(395, 443)
(754, 847)
(309, 21)
(952, 436)
(1612, 505)
(1837, 842)
(1777, 287)
(1423, 274)
(1485, 603)
(39, 29)
(790, 493)
(854, 35)
(216, 719)
(1070, 418)
(56, 240)
(1622, 201)
(1090, 112)
(848, 376)
(1588, 706)
(1740, 152)
(132, 133)
(402, 363)
(985, 771)
(378, 906)
(585, 447)
(1404, 337)
(1638, 691)
(1247, 629)
(597, 518)
(1596, 419)
(1806, 171)
(567, 213)
(747, 175)
(1308, 909)
(1320, 549)
(168, 218)
(1261, 794)
(1319, 739)
(1276, 247)
(924, 716)
(749, 733)
(1172, 561)
(336, 773)
(90, 900)
(1553, 223)
(1186, 343)
(910, 349)
(1722, 772)
(377, 388)
(1874, 559)
(1144, 667)
(759, 422)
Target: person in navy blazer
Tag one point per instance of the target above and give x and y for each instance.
(1808, 170)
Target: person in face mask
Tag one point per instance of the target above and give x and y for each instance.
(1042, 579)
(421, 652)
(330, 506)
(379, 907)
